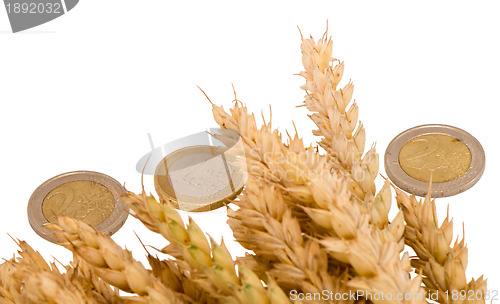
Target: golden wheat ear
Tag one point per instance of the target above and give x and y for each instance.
(442, 264)
(208, 263)
(110, 262)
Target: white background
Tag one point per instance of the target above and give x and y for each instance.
(83, 91)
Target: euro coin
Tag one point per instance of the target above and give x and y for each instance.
(449, 157)
(199, 178)
(91, 197)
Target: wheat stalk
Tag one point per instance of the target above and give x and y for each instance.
(169, 272)
(43, 283)
(314, 223)
(80, 271)
(113, 264)
(374, 257)
(307, 179)
(209, 264)
(265, 224)
(442, 265)
(343, 137)
(15, 271)
(33, 280)
(47, 287)
(10, 288)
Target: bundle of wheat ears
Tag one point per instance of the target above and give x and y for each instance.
(317, 229)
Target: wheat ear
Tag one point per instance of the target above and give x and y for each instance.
(47, 287)
(442, 265)
(210, 264)
(264, 218)
(348, 235)
(110, 262)
(180, 280)
(265, 224)
(44, 283)
(80, 271)
(10, 287)
(36, 281)
(342, 136)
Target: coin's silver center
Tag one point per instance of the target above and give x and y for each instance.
(199, 175)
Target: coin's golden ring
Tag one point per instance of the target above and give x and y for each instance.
(420, 188)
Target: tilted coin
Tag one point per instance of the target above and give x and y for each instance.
(198, 178)
(451, 157)
(91, 197)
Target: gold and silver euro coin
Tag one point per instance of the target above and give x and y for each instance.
(91, 197)
(199, 178)
(452, 158)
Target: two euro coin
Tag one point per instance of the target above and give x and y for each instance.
(452, 158)
(91, 197)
